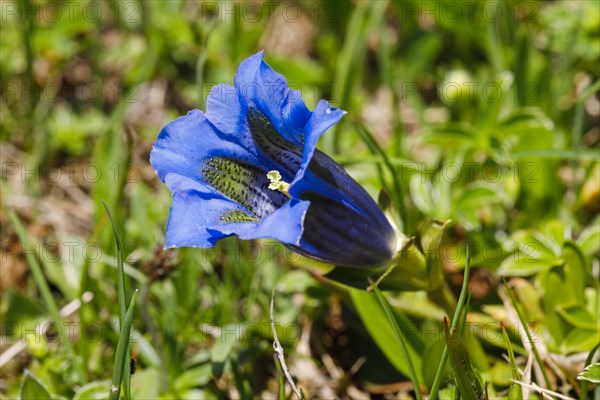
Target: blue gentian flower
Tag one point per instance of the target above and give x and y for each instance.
(249, 167)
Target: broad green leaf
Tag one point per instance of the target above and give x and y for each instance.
(17, 308)
(219, 354)
(478, 195)
(431, 237)
(400, 338)
(450, 133)
(464, 375)
(529, 297)
(577, 268)
(432, 356)
(589, 240)
(145, 384)
(147, 352)
(377, 325)
(591, 373)
(449, 393)
(579, 340)
(33, 389)
(194, 378)
(196, 394)
(555, 233)
(420, 192)
(520, 264)
(93, 391)
(501, 373)
(578, 316)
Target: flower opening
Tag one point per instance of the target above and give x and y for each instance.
(251, 161)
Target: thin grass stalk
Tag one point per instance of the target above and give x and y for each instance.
(455, 320)
(536, 353)
(401, 339)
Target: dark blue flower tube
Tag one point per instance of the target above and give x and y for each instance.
(249, 167)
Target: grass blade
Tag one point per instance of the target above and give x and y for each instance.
(455, 320)
(466, 380)
(401, 339)
(122, 354)
(536, 353)
(397, 187)
(120, 291)
(365, 19)
(121, 277)
(514, 392)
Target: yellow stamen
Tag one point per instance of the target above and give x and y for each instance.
(277, 183)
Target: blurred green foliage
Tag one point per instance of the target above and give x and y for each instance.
(486, 113)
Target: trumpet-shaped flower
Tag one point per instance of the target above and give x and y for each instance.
(249, 167)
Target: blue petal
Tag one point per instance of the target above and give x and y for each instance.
(268, 92)
(196, 217)
(223, 109)
(216, 163)
(284, 225)
(339, 235)
(193, 208)
(323, 117)
(185, 143)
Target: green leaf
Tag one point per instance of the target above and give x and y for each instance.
(93, 391)
(193, 378)
(432, 356)
(466, 380)
(589, 240)
(431, 237)
(477, 195)
(578, 316)
(33, 389)
(420, 193)
(377, 324)
(579, 340)
(146, 384)
(450, 133)
(401, 339)
(17, 308)
(520, 264)
(501, 374)
(219, 354)
(591, 373)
